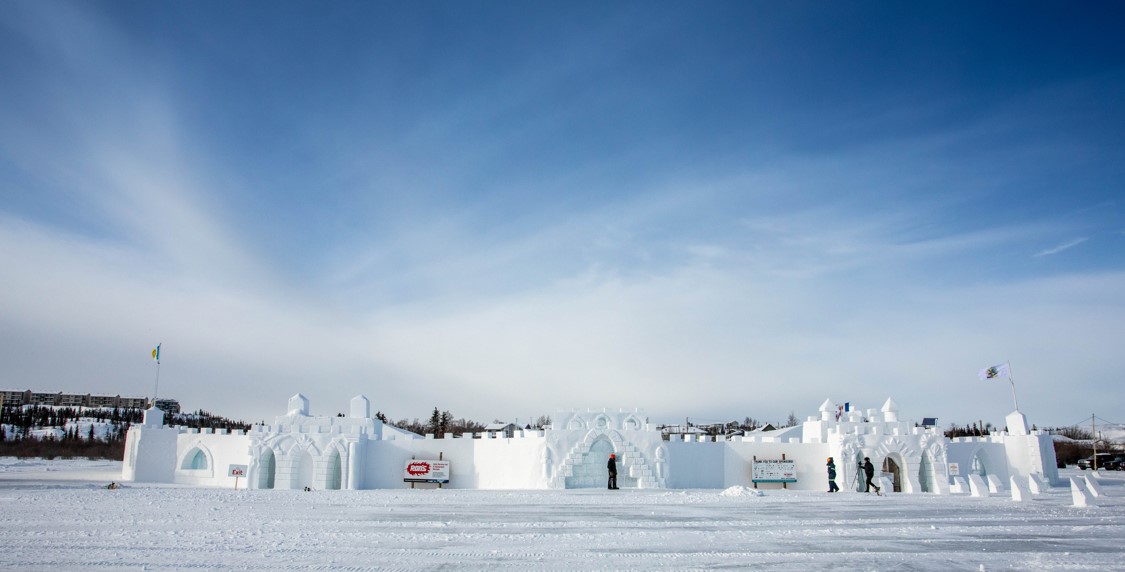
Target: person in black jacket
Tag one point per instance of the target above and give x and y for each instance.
(612, 466)
(832, 488)
(869, 470)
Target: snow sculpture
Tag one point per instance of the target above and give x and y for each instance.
(355, 452)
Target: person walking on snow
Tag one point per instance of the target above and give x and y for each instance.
(612, 466)
(832, 488)
(869, 470)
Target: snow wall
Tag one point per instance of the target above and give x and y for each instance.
(358, 452)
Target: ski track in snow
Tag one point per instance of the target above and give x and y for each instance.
(56, 516)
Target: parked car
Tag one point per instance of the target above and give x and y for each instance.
(1102, 459)
(1117, 463)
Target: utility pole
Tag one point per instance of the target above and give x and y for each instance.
(1094, 438)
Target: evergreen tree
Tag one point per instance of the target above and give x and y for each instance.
(434, 426)
(445, 425)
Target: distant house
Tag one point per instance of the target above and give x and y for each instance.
(501, 430)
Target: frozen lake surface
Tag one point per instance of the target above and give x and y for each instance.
(54, 515)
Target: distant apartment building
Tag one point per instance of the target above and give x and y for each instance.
(28, 397)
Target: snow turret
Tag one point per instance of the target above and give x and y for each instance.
(890, 411)
(360, 407)
(826, 410)
(299, 405)
(154, 417)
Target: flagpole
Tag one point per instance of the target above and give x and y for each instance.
(1013, 382)
(156, 389)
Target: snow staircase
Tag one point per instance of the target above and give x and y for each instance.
(631, 466)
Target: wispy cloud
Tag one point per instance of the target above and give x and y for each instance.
(1064, 246)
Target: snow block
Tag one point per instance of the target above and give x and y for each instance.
(885, 485)
(1093, 486)
(959, 486)
(977, 487)
(1019, 492)
(1078, 493)
(994, 484)
(1036, 484)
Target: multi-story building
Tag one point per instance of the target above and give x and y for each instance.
(28, 397)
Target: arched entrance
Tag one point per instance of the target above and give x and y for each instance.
(590, 471)
(895, 470)
(304, 471)
(980, 465)
(335, 473)
(267, 469)
(926, 474)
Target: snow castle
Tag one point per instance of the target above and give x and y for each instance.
(360, 452)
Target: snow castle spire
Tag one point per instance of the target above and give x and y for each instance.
(890, 410)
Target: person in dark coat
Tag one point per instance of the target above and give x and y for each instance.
(869, 470)
(612, 466)
(832, 488)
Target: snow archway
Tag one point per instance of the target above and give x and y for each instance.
(926, 474)
(334, 470)
(267, 469)
(197, 462)
(906, 457)
(303, 471)
(589, 468)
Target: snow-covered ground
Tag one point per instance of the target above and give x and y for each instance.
(54, 515)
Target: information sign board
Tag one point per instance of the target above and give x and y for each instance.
(774, 471)
(419, 471)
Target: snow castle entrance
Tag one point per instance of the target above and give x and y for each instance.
(590, 468)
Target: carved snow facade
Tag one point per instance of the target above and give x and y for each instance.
(360, 452)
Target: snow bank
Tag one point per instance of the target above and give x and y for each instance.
(741, 491)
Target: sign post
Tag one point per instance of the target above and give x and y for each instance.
(237, 471)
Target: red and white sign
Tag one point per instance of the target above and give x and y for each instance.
(418, 471)
(237, 471)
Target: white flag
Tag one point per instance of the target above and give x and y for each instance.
(994, 372)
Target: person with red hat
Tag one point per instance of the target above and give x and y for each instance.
(612, 466)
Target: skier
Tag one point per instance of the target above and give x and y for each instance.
(869, 470)
(612, 466)
(832, 488)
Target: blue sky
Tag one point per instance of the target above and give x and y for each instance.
(707, 210)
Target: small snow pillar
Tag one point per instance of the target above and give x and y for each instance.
(299, 405)
(1078, 493)
(1017, 423)
(959, 486)
(355, 465)
(1019, 493)
(1093, 486)
(977, 487)
(360, 407)
(994, 484)
(1035, 484)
